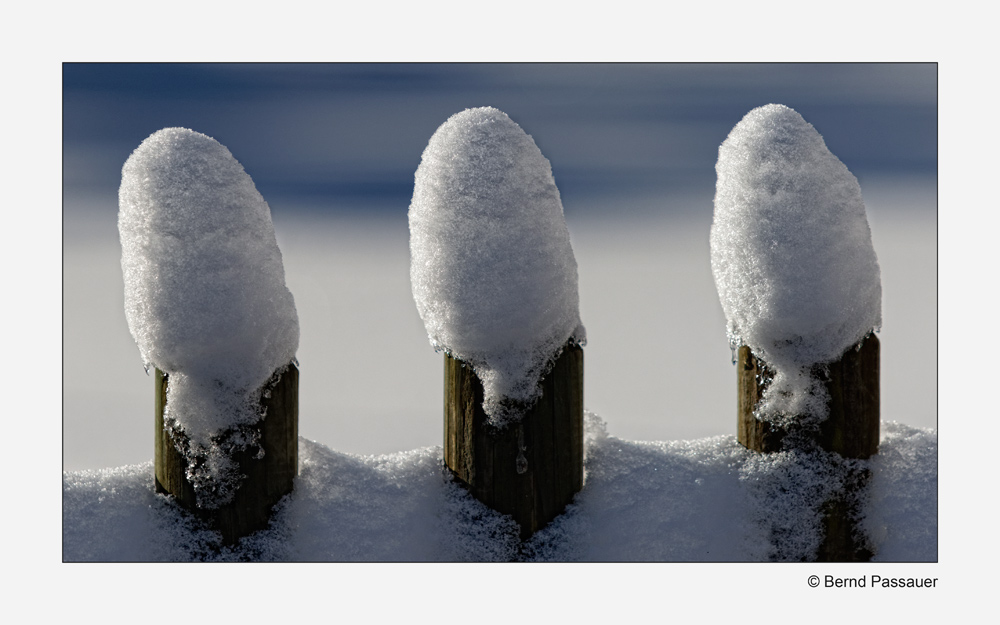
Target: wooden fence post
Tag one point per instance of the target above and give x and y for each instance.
(532, 469)
(851, 430)
(268, 478)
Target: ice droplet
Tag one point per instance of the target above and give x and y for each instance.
(521, 464)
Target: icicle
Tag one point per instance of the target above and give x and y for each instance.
(522, 461)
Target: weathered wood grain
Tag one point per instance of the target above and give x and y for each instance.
(548, 439)
(852, 427)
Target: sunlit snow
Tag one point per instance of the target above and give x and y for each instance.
(792, 253)
(492, 269)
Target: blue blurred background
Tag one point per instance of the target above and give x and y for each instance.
(350, 135)
(333, 149)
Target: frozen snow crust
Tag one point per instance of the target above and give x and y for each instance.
(492, 269)
(205, 293)
(791, 248)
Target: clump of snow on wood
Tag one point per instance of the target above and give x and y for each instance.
(791, 252)
(205, 293)
(492, 269)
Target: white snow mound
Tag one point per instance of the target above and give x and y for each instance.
(791, 248)
(492, 269)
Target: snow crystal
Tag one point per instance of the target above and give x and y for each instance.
(791, 249)
(205, 294)
(492, 269)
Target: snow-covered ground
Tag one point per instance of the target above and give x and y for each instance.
(708, 500)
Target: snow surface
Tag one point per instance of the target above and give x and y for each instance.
(792, 253)
(701, 500)
(493, 273)
(205, 294)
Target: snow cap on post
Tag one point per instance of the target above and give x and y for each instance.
(791, 248)
(793, 258)
(205, 294)
(492, 269)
